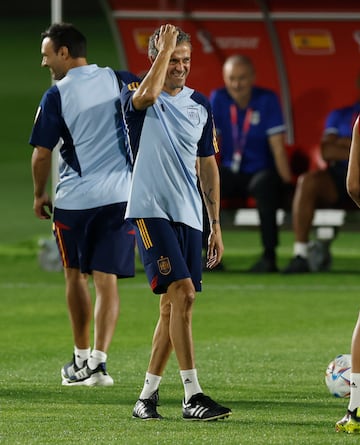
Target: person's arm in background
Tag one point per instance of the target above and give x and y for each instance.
(335, 148)
(353, 174)
(277, 145)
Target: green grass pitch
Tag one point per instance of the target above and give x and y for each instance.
(262, 342)
(262, 346)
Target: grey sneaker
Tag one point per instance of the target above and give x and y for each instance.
(202, 407)
(72, 375)
(145, 409)
(319, 256)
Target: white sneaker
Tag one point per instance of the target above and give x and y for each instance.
(73, 376)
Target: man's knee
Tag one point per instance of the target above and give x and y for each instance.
(265, 186)
(74, 276)
(182, 293)
(315, 184)
(308, 180)
(264, 182)
(105, 283)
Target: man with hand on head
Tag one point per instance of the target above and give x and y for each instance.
(171, 131)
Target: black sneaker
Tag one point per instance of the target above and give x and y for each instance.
(202, 407)
(298, 264)
(264, 265)
(145, 409)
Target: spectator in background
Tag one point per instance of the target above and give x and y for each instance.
(350, 423)
(253, 158)
(83, 110)
(322, 188)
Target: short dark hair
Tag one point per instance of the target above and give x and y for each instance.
(182, 37)
(65, 34)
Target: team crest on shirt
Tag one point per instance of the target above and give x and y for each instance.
(164, 266)
(193, 115)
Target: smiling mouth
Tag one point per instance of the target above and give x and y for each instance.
(179, 76)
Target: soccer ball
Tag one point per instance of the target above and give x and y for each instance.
(337, 376)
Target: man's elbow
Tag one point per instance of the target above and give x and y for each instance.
(144, 99)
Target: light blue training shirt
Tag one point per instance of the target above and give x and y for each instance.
(166, 139)
(83, 111)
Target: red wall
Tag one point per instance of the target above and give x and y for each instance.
(320, 46)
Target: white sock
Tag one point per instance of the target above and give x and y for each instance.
(96, 357)
(151, 384)
(80, 356)
(190, 382)
(354, 391)
(301, 249)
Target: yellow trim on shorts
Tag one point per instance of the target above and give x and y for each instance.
(58, 236)
(144, 234)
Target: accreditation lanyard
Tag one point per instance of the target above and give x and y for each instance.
(239, 141)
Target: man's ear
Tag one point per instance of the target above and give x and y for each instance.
(64, 52)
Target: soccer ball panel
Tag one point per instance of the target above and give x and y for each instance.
(337, 376)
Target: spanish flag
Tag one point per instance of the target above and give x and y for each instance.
(141, 37)
(311, 41)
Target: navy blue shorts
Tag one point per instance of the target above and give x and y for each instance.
(96, 239)
(169, 252)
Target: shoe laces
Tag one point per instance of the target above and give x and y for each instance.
(155, 397)
(203, 399)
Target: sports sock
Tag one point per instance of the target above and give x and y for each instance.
(80, 356)
(151, 384)
(301, 249)
(190, 382)
(354, 391)
(96, 357)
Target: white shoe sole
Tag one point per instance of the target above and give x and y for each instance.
(94, 380)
